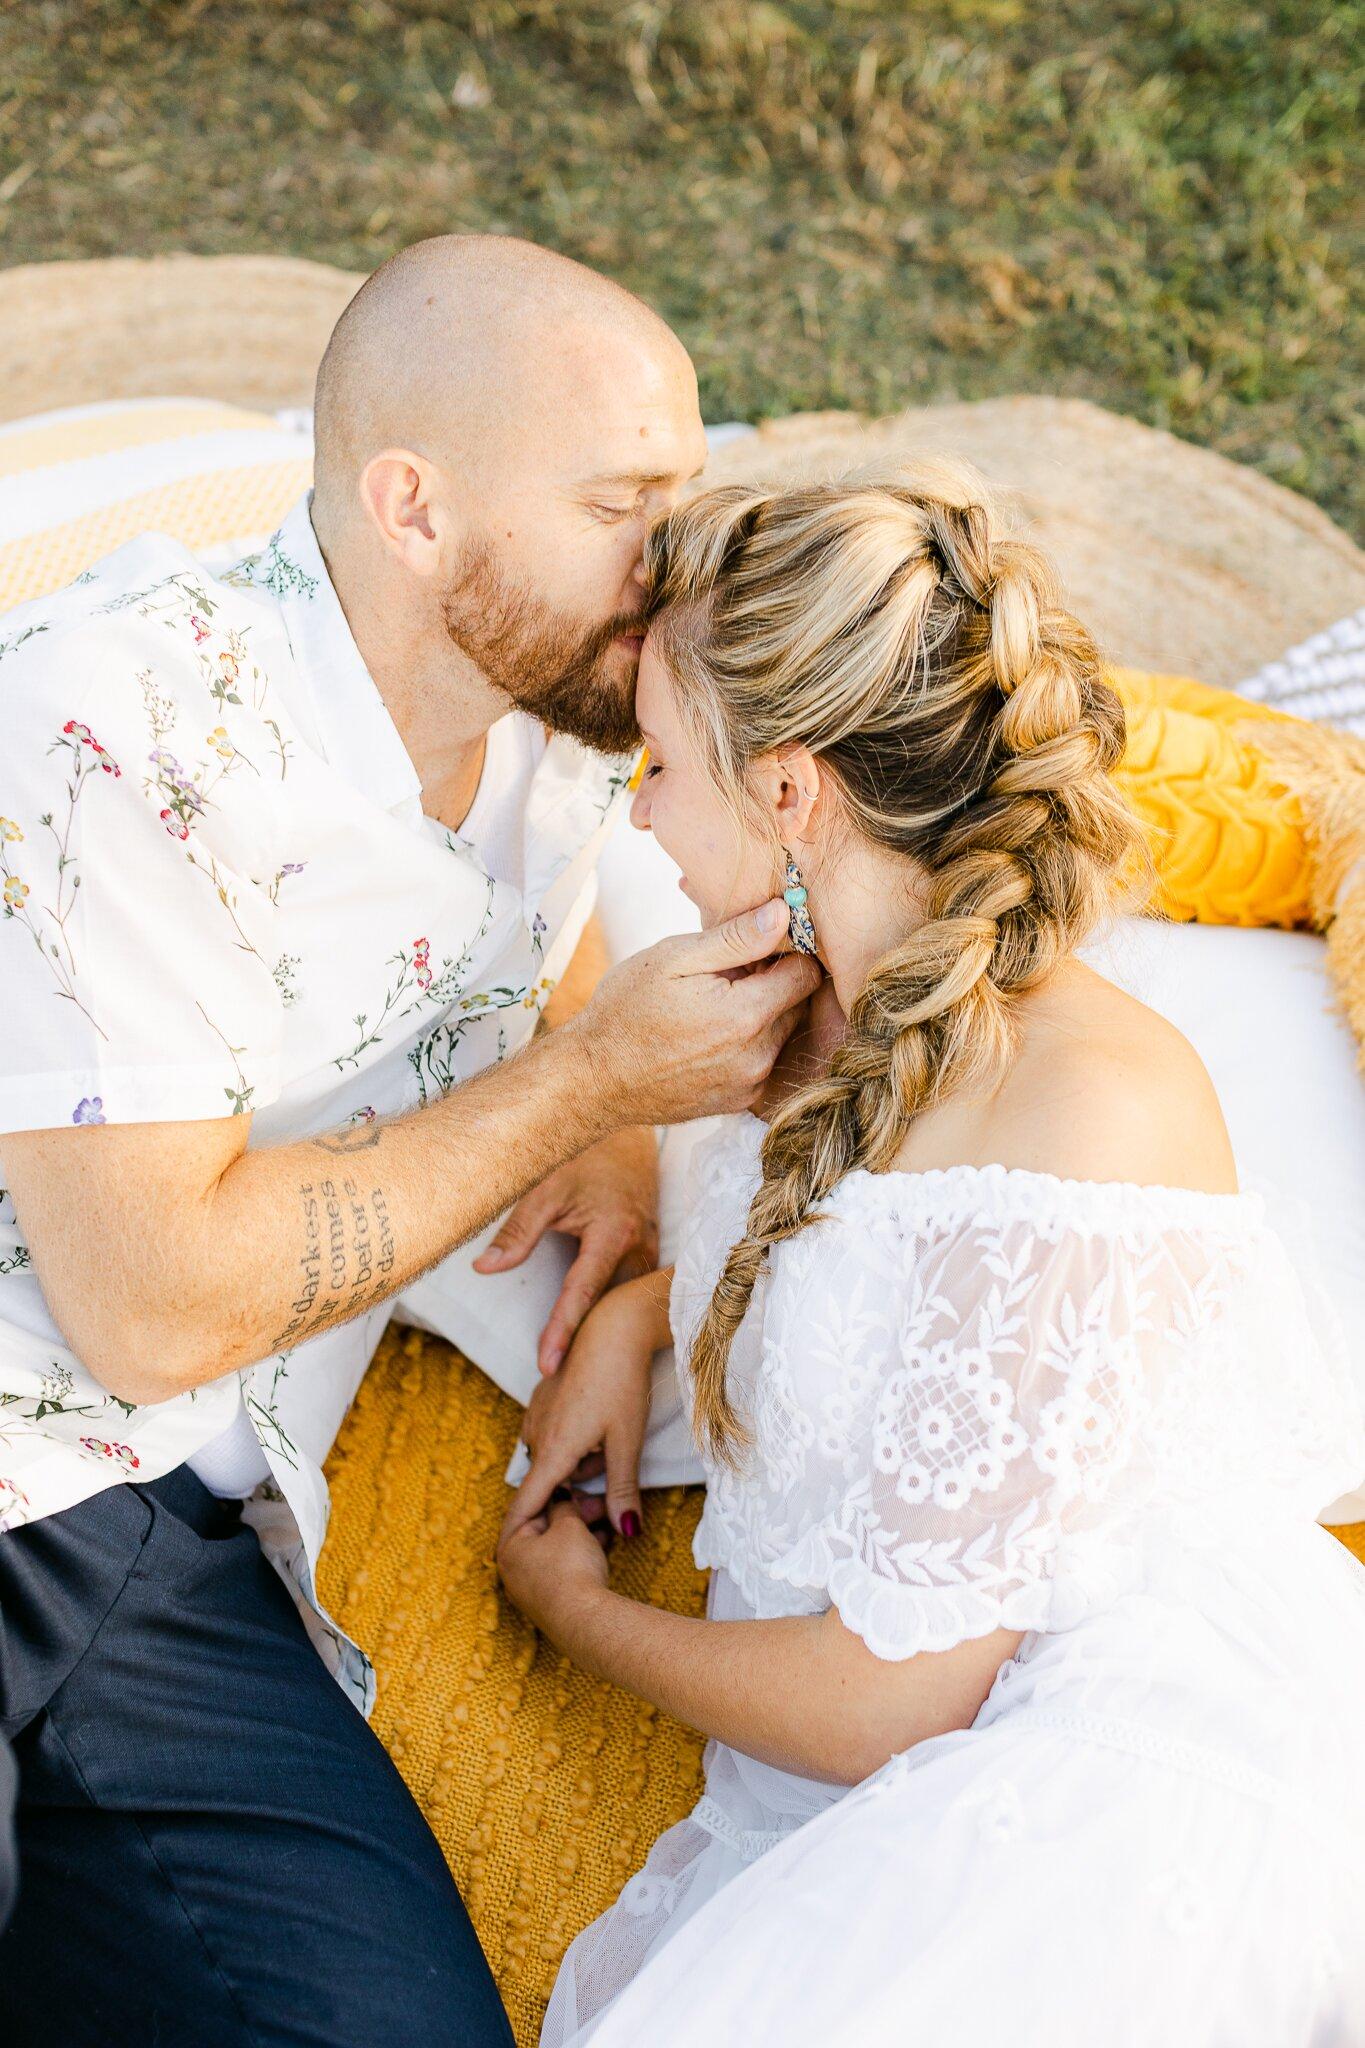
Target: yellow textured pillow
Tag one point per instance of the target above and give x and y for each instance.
(1228, 838)
(73, 487)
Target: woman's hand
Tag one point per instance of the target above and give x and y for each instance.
(552, 1566)
(593, 1411)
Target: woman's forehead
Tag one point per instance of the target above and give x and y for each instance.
(654, 692)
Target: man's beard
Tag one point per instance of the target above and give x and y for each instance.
(545, 663)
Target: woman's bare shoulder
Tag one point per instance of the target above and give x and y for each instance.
(1102, 1089)
(1106, 1089)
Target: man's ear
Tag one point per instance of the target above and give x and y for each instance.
(399, 495)
(789, 784)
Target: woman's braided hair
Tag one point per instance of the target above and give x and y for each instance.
(887, 624)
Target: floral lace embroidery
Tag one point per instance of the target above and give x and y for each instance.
(967, 1388)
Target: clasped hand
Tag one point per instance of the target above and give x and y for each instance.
(587, 1419)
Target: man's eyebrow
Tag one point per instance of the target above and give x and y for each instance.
(637, 476)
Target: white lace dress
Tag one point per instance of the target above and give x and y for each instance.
(1096, 1413)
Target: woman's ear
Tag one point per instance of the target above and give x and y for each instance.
(788, 785)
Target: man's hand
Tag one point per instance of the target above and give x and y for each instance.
(693, 1026)
(608, 1198)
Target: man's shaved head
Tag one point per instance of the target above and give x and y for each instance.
(496, 427)
(463, 340)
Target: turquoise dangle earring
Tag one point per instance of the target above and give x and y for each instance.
(794, 896)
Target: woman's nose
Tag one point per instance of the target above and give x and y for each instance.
(639, 808)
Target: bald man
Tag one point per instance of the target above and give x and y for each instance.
(294, 861)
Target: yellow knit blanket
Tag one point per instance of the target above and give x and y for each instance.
(544, 1787)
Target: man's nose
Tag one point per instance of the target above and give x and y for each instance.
(635, 582)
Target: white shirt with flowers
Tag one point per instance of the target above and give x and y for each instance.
(219, 894)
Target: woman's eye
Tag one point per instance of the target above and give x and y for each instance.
(654, 768)
(612, 514)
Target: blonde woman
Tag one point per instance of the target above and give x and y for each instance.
(1014, 1422)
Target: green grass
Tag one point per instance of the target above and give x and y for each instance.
(1151, 203)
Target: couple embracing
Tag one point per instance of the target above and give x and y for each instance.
(1016, 1732)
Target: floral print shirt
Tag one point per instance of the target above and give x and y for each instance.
(219, 894)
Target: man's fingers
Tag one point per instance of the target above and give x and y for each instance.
(510, 1530)
(739, 942)
(783, 985)
(644, 1259)
(533, 1496)
(786, 1026)
(599, 1254)
(591, 1507)
(519, 1234)
(561, 1509)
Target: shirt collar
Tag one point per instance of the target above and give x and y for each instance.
(358, 736)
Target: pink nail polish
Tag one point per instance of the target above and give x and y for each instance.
(630, 1525)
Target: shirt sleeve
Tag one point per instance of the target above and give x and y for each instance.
(135, 945)
(965, 1469)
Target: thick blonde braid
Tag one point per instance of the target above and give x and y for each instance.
(992, 693)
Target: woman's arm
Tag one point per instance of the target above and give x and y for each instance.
(805, 1693)
(590, 1416)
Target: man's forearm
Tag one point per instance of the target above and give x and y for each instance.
(342, 1221)
(171, 1252)
(325, 1228)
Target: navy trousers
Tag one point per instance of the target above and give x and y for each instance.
(213, 1848)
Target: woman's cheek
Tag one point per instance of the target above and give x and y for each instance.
(664, 825)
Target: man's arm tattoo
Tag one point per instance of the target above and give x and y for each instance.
(357, 1137)
(348, 1259)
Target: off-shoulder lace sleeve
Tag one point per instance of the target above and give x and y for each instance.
(958, 1421)
(1011, 1405)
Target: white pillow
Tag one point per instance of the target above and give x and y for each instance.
(1258, 1008)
